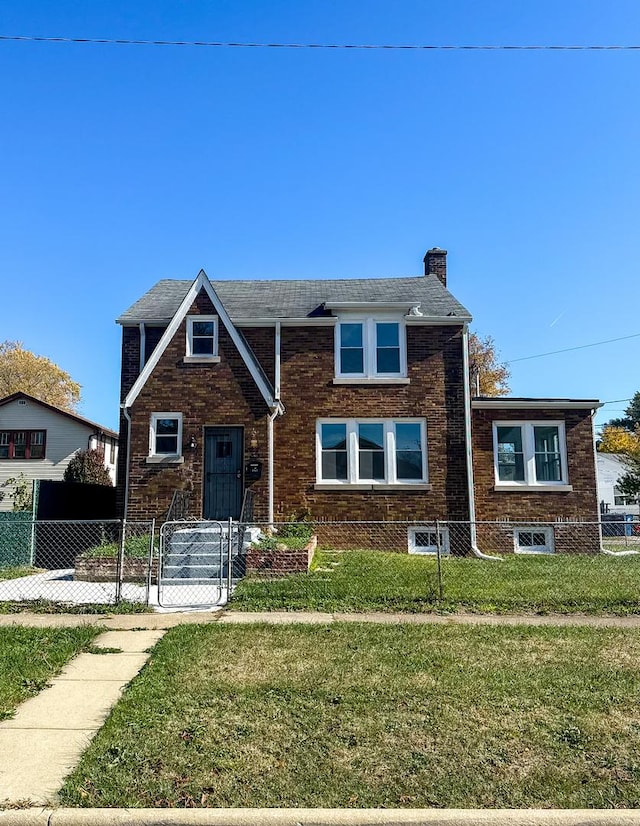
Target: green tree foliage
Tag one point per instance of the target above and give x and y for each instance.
(487, 374)
(21, 491)
(24, 371)
(88, 466)
(622, 436)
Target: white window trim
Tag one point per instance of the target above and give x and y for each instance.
(428, 549)
(389, 436)
(529, 457)
(369, 344)
(190, 355)
(547, 548)
(152, 434)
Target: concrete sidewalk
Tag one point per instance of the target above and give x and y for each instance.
(320, 817)
(154, 621)
(43, 742)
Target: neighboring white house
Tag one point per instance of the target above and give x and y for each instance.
(38, 441)
(610, 467)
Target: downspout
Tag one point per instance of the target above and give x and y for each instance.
(469, 450)
(602, 549)
(277, 410)
(127, 416)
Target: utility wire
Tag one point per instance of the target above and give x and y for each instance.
(388, 46)
(569, 349)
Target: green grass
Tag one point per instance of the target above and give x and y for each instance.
(46, 606)
(29, 657)
(378, 581)
(18, 571)
(362, 715)
(137, 547)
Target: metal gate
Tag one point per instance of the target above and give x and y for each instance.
(196, 563)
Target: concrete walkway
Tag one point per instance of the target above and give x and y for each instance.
(155, 621)
(43, 742)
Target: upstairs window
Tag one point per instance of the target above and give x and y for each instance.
(165, 434)
(370, 451)
(530, 453)
(370, 348)
(22, 444)
(202, 336)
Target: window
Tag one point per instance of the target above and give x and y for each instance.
(22, 444)
(371, 451)
(533, 540)
(424, 540)
(530, 453)
(370, 348)
(165, 436)
(112, 452)
(624, 499)
(202, 336)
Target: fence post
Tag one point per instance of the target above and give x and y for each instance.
(120, 565)
(150, 565)
(34, 516)
(439, 554)
(229, 555)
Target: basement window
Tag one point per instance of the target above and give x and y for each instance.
(533, 540)
(424, 540)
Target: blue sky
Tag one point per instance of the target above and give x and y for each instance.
(122, 165)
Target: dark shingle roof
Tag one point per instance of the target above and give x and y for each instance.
(297, 299)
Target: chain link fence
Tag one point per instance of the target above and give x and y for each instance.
(443, 565)
(323, 565)
(76, 562)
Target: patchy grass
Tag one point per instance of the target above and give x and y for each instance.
(29, 657)
(47, 606)
(137, 547)
(361, 715)
(18, 571)
(378, 581)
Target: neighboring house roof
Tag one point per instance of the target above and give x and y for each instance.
(98, 428)
(202, 283)
(298, 299)
(487, 402)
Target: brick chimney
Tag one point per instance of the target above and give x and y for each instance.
(435, 263)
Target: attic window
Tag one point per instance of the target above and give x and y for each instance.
(202, 337)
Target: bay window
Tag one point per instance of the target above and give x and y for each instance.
(371, 451)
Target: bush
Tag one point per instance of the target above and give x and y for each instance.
(87, 466)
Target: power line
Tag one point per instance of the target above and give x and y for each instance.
(569, 349)
(371, 46)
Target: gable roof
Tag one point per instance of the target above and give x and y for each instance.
(202, 283)
(246, 300)
(74, 416)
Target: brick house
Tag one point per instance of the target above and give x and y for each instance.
(347, 399)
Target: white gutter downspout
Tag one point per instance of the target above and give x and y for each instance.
(469, 450)
(277, 411)
(602, 549)
(127, 416)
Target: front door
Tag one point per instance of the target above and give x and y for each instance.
(222, 472)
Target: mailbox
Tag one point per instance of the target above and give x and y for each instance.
(253, 470)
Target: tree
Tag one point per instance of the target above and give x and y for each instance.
(88, 466)
(623, 435)
(22, 370)
(21, 492)
(618, 440)
(487, 374)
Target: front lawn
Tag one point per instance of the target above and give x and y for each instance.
(363, 715)
(379, 581)
(29, 657)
